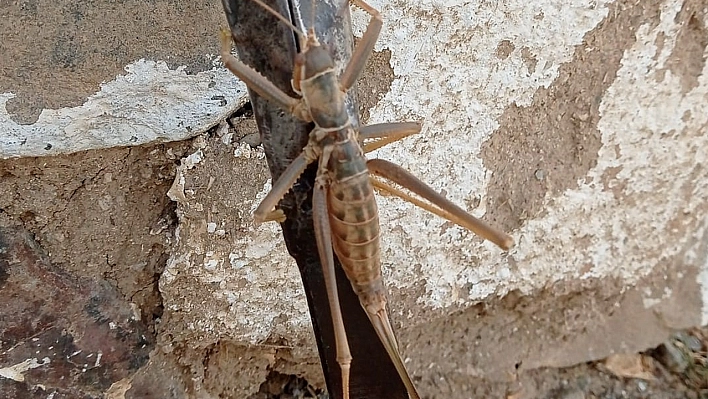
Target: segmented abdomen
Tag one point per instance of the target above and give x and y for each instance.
(353, 216)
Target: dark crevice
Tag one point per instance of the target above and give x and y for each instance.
(287, 386)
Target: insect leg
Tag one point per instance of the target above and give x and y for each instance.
(265, 212)
(324, 247)
(386, 133)
(256, 82)
(439, 205)
(363, 49)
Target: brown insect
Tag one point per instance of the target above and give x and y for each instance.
(344, 208)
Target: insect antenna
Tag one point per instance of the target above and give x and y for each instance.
(282, 19)
(312, 14)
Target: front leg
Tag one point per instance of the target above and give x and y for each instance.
(364, 49)
(256, 82)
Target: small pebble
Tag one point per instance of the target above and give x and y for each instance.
(641, 385)
(672, 357)
(227, 138)
(222, 129)
(253, 139)
(573, 394)
(691, 342)
(540, 174)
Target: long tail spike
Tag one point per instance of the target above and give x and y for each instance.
(383, 329)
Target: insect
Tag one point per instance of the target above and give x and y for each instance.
(345, 214)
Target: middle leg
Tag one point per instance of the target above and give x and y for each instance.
(386, 133)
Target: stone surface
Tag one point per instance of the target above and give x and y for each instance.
(62, 336)
(81, 76)
(607, 98)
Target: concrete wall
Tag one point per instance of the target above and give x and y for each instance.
(577, 127)
(79, 76)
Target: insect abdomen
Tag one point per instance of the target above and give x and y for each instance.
(353, 215)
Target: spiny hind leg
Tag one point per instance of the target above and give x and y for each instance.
(324, 247)
(438, 205)
(386, 133)
(363, 49)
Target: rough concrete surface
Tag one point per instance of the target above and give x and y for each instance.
(577, 127)
(87, 75)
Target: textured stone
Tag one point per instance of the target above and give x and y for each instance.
(62, 336)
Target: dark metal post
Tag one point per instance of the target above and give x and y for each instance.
(270, 47)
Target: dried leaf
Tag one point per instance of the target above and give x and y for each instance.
(516, 395)
(629, 366)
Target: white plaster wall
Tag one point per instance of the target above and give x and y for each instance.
(460, 89)
(443, 54)
(448, 76)
(149, 103)
(272, 304)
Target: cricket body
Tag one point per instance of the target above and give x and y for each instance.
(345, 214)
(351, 209)
(343, 174)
